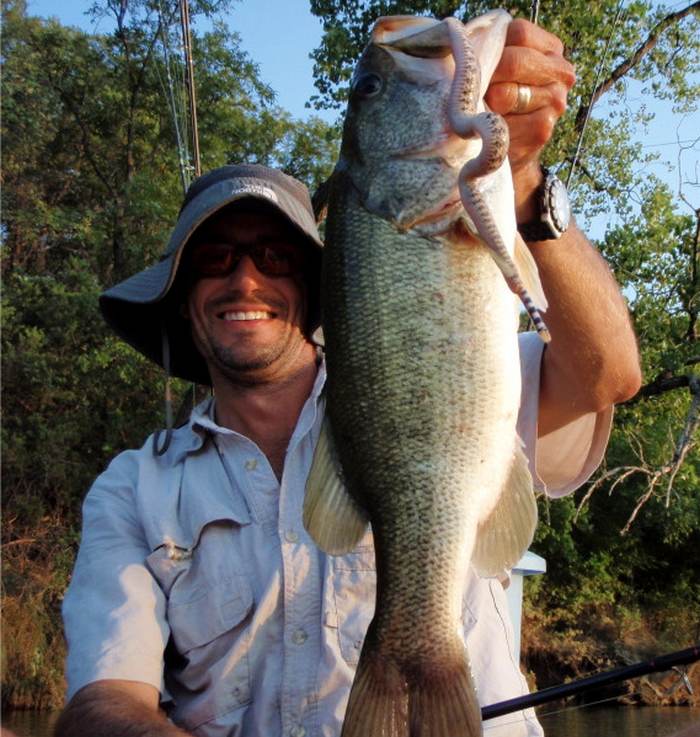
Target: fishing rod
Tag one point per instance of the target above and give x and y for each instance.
(661, 663)
(187, 44)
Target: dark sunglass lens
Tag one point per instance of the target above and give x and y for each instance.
(278, 260)
(214, 259)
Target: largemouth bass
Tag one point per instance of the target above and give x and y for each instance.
(423, 383)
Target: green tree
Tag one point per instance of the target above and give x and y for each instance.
(91, 188)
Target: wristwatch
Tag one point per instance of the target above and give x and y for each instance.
(554, 211)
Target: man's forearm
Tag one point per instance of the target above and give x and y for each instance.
(592, 361)
(105, 709)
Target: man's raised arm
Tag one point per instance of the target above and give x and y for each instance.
(592, 361)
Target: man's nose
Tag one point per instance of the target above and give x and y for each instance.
(245, 273)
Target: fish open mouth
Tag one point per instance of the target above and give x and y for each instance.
(448, 209)
(447, 146)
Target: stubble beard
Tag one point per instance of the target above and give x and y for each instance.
(242, 365)
(264, 365)
(245, 371)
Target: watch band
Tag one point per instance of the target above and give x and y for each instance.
(537, 230)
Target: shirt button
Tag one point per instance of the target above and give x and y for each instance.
(251, 464)
(299, 637)
(297, 731)
(291, 537)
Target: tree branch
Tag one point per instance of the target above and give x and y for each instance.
(669, 470)
(624, 67)
(664, 382)
(685, 441)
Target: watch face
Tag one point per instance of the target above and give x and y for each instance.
(555, 212)
(559, 207)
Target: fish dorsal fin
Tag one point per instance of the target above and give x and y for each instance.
(331, 516)
(505, 535)
(529, 273)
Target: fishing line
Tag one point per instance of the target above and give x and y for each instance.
(593, 91)
(576, 707)
(191, 93)
(573, 707)
(183, 153)
(669, 143)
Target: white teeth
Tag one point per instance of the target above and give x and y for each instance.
(259, 315)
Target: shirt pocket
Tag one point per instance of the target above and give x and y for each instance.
(210, 606)
(201, 613)
(349, 599)
(210, 626)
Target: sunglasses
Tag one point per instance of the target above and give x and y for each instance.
(271, 259)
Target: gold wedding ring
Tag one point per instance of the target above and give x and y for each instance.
(524, 97)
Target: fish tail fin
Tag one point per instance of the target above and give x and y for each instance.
(424, 699)
(443, 701)
(378, 705)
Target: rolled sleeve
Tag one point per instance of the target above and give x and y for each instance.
(114, 611)
(564, 459)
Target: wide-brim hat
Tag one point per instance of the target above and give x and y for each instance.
(139, 310)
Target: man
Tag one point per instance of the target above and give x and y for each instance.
(196, 585)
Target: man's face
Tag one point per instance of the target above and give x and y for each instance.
(249, 326)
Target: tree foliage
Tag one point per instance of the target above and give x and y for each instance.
(91, 187)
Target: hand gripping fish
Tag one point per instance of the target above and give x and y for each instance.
(423, 386)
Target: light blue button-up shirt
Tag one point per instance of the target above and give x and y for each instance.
(196, 575)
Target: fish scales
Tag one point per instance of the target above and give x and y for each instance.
(408, 367)
(423, 384)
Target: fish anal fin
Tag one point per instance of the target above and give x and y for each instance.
(529, 274)
(331, 515)
(504, 536)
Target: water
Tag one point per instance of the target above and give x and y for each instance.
(619, 721)
(609, 721)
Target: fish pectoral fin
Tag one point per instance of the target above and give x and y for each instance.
(331, 516)
(529, 273)
(504, 536)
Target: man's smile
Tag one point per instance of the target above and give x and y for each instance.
(246, 315)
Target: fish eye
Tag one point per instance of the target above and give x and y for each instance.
(367, 85)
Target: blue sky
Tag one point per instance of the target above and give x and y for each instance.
(281, 49)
